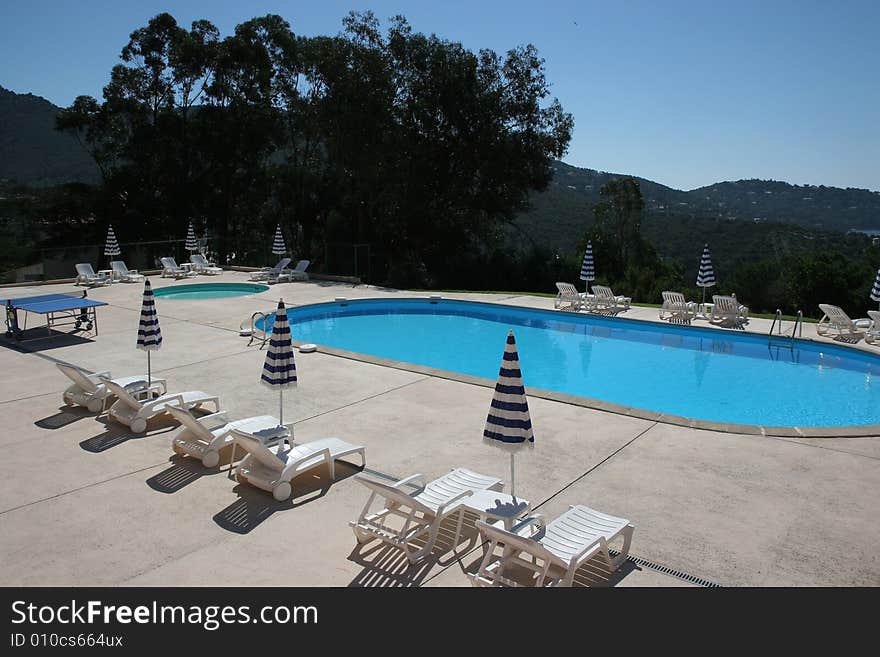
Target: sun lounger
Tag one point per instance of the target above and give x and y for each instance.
(605, 299)
(677, 308)
(274, 468)
(298, 273)
(85, 275)
(834, 319)
(135, 412)
(201, 265)
(873, 332)
(271, 272)
(90, 391)
(210, 439)
(124, 274)
(171, 268)
(406, 520)
(728, 309)
(568, 298)
(553, 552)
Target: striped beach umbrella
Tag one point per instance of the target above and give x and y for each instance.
(149, 336)
(279, 368)
(508, 425)
(588, 271)
(705, 275)
(278, 247)
(875, 291)
(192, 244)
(111, 246)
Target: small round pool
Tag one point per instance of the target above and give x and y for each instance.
(209, 290)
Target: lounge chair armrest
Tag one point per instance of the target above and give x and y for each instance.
(409, 480)
(214, 420)
(441, 510)
(536, 519)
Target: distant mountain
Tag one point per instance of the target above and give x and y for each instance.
(560, 216)
(32, 152)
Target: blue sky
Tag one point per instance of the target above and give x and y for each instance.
(684, 93)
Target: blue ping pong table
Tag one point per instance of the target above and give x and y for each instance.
(59, 310)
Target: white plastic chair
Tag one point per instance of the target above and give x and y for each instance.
(135, 412)
(171, 268)
(405, 520)
(568, 298)
(90, 391)
(728, 309)
(209, 438)
(274, 468)
(607, 300)
(675, 305)
(124, 274)
(298, 273)
(834, 319)
(85, 275)
(201, 265)
(270, 272)
(553, 552)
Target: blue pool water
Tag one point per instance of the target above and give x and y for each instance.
(693, 372)
(209, 290)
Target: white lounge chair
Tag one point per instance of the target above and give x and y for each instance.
(873, 332)
(553, 552)
(298, 273)
(171, 268)
(209, 438)
(406, 520)
(135, 412)
(89, 390)
(271, 272)
(274, 468)
(85, 275)
(201, 265)
(568, 297)
(835, 319)
(124, 274)
(728, 309)
(607, 300)
(677, 308)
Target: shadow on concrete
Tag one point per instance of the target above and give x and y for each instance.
(594, 573)
(65, 415)
(181, 473)
(117, 433)
(255, 505)
(384, 565)
(36, 339)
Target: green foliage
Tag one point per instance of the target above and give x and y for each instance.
(408, 142)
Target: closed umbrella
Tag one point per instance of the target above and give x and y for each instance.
(111, 246)
(192, 244)
(278, 247)
(588, 271)
(279, 368)
(875, 291)
(508, 425)
(149, 336)
(706, 275)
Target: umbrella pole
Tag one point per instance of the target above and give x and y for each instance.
(512, 481)
(281, 405)
(148, 369)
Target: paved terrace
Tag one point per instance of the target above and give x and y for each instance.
(84, 503)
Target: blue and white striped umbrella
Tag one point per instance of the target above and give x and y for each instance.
(588, 271)
(279, 368)
(705, 275)
(508, 425)
(149, 336)
(875, 291)
(111, 246)
(192, 244)
(278, 247)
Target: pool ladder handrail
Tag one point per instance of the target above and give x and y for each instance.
(254, 329)
(797, 327)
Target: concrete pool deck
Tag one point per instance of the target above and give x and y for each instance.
(84, 503)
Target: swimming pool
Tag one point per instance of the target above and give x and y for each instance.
(693, 372)
(209, 290)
